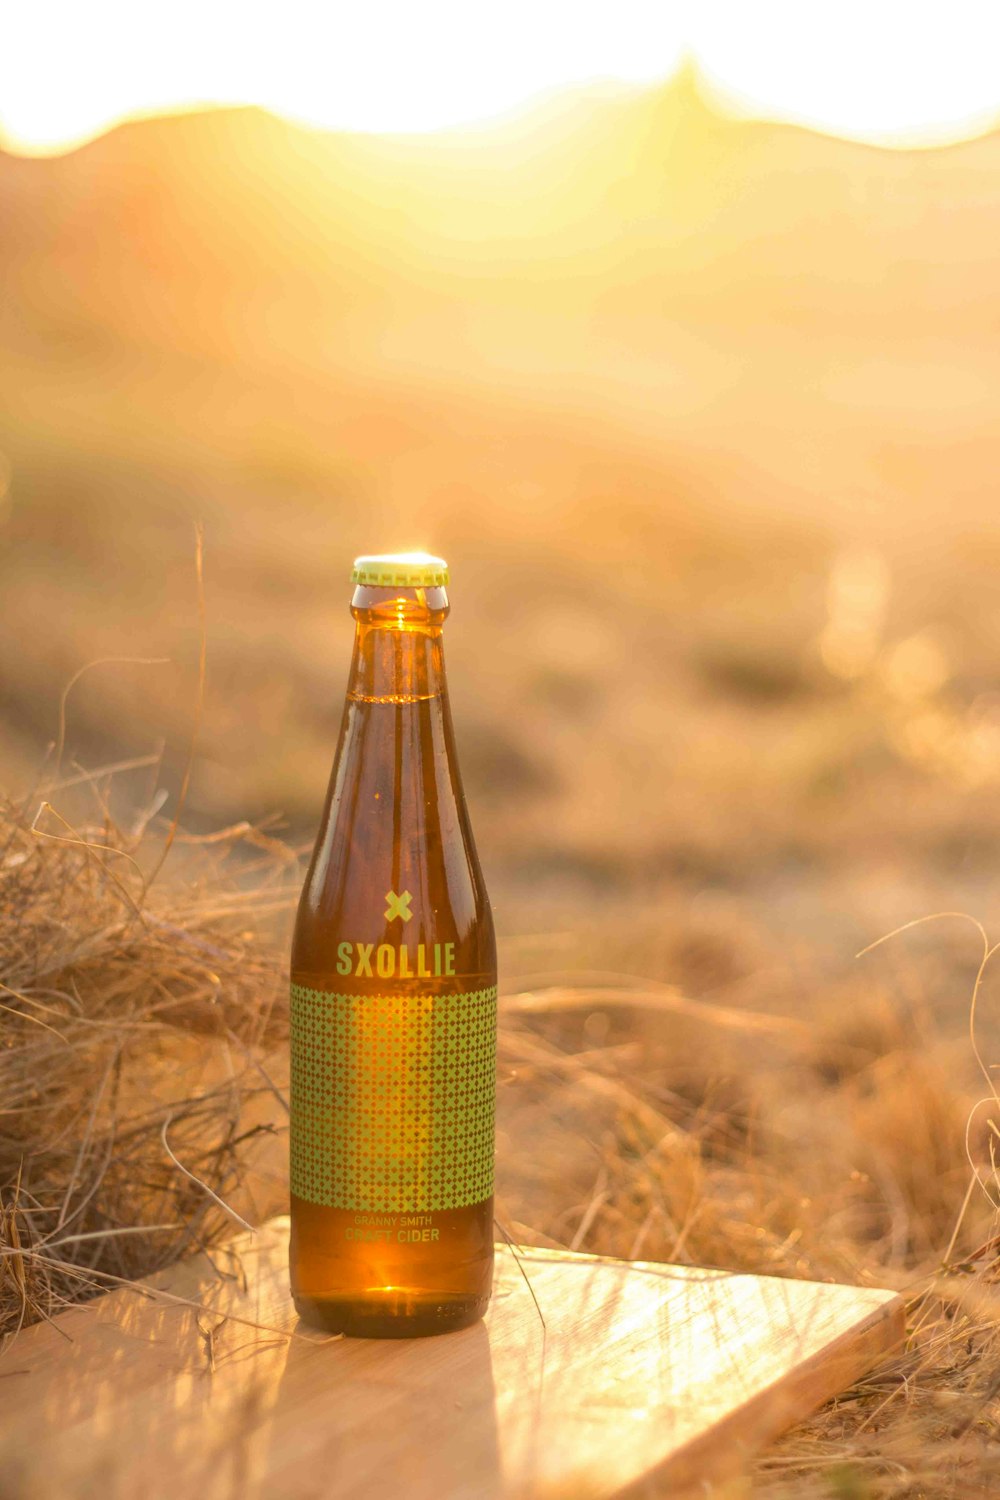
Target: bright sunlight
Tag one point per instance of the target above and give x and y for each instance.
(890, 72)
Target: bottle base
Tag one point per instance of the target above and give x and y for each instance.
(408, 1318)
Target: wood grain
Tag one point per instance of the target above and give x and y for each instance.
(644, 1380)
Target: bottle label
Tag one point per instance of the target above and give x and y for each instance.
(393, 1099)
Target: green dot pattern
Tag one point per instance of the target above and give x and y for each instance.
(393, 1099)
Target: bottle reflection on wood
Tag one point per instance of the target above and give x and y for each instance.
(393, 1003)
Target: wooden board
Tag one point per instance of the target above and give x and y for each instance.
(645, 1379)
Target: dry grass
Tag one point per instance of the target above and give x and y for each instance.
(835, 1149)
(702, 1131)
(135, 1005)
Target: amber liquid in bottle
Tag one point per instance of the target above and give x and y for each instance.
(393, 1006)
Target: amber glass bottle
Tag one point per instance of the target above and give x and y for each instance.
(393, 1006)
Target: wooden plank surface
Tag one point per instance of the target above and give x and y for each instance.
(645, 1379)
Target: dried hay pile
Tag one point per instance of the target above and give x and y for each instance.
(134, 1004)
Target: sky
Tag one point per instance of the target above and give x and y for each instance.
(896, 71)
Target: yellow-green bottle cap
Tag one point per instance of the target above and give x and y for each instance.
(405, 570)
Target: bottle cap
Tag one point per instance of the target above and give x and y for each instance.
(407, 570)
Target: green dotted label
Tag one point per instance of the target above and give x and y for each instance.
(393, 1099)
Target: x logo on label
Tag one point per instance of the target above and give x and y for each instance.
(398, 906)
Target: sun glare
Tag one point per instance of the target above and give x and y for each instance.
(889, 71)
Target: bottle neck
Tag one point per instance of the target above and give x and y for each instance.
(398, 650)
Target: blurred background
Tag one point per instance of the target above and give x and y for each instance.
(675, 329)
(676, 334)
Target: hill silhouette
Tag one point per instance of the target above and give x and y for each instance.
(619, 206)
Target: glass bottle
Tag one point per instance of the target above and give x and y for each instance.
(393, 1001)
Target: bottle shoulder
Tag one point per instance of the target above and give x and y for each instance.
(395, 862)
